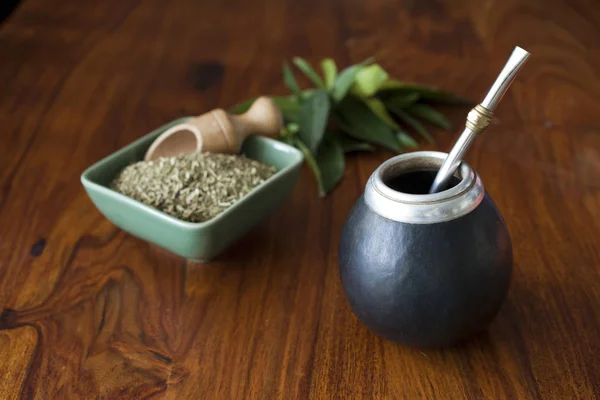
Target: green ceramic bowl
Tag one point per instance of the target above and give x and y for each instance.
(196, 241)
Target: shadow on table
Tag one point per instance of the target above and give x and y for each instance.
(554, 323)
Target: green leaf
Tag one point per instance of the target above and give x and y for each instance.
(289, 107)
(312, 120)
(425, 92)
(288, 139)
(290, 81)
(330, 159)
(350, 145)
(345, 80)
(307, 92)
(379, 109)
(406, 140)
(430, 115)
(414, 123)
(368, 80)
(312, 163)
(361, 123)
(242, 107)
(400, 100)
(330, 72)
(292, 127)
(393, 84)
(308, 70)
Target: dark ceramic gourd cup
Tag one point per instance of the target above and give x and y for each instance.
(425, 270)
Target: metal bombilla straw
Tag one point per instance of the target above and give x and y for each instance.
(479, 118)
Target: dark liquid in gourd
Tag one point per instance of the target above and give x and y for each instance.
(416, 182)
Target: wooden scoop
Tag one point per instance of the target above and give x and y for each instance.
(218, 131)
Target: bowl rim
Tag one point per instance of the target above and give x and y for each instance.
(87, 182)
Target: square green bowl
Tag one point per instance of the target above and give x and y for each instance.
(195, 241)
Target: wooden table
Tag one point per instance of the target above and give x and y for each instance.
(88, 311)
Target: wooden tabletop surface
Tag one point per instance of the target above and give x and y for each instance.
(88, 311)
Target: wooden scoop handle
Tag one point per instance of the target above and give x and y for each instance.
(218, 131)
(263, 117)
(224, 133)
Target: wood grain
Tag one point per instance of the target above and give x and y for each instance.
(86, 311)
